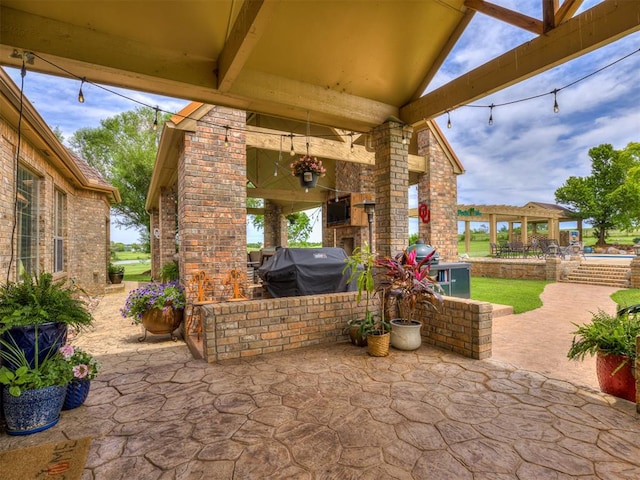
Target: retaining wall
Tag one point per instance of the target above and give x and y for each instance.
(255, 327)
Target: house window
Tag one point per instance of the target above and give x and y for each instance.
(59, 215)
(27, 203)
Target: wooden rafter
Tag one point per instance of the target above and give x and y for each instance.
(567, 10)
(549, 8)
(251, 21)
(504, 14)
(598, 26)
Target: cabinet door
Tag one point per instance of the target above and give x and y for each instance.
(460, 282)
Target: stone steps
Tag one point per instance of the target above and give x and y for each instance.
(600, 274)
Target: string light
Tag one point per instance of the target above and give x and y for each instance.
(155, 121)
(275, 172)
(30, 56)
(404, 139)
(80, 94)
(226, 136)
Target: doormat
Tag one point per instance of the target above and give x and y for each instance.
(51, 461)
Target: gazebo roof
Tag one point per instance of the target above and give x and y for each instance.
(534, 211)
(349, 65)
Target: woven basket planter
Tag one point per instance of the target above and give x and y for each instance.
(378, 345)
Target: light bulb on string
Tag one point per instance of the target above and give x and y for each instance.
(226, 136)
(306, 190)
(556, 108)
(292, 152)
(337, 198)
(448, 119)
(80, 94)
(491, 115)
(155, 121)
(275, 172)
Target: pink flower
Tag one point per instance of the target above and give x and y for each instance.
(80, 371)
(67, 351)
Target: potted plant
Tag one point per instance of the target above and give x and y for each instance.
(377, 332)
(612, 339)
(159, 307)
(39, 310)
(116, 273)
(407, 281)
(307, 169)
(85, 368)
(32, 394)
(360, 266)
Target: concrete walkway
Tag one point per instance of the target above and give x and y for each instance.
(335, 413)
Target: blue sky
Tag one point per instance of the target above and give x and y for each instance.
(526, 154)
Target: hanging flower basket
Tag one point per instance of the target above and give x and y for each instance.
(308, 179)
(308, 169)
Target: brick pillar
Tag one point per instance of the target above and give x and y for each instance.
(350, 178)
(635, 274)
(392, 188)
(154, 243)
(212, 198)
(167, 228)
(275, 226)
(438, 189)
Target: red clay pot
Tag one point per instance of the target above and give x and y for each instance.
(623, 383)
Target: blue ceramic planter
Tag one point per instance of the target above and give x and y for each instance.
(77, 392)
(51, 336)
(33, 411)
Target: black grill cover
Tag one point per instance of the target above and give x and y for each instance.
(305, 271)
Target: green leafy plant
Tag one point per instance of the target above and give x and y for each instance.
(38, 299)
(609, 334)
(170, 272)
(153, 295)
(114, 269)
(51, 371)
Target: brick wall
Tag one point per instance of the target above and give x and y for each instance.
(545, 269)
(350, 178)
(86, 237)
(212, 198)
(275, 226)
(391, 187)
(242, 329)
(167, 227)
(438, 189)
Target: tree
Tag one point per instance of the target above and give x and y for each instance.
(123, 149)
(299, 227)
(610, 197)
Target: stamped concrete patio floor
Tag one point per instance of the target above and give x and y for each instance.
(334, 413)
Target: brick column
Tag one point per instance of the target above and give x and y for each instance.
(350, 178)
(154, 244)
(635, 274)
(167, 216)
(438, 189)
(276, 233)
(212, 198)
(392, 188)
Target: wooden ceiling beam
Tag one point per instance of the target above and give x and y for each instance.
(314, 196)
(267, 139)
(508, 16)
(598, 26)
(251, 22)
(567, 10)
(549, 8)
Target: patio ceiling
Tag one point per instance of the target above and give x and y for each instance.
(345, 64)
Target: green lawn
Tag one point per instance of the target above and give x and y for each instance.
(119, 256)
(522, 295)
(138, 272)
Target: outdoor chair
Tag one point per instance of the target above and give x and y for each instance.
(199, 293)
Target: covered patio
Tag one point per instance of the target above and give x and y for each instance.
(334, 412)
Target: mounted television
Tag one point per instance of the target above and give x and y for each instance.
(339, 212)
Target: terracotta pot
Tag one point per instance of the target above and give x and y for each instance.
(356, 338)
(623, 383)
